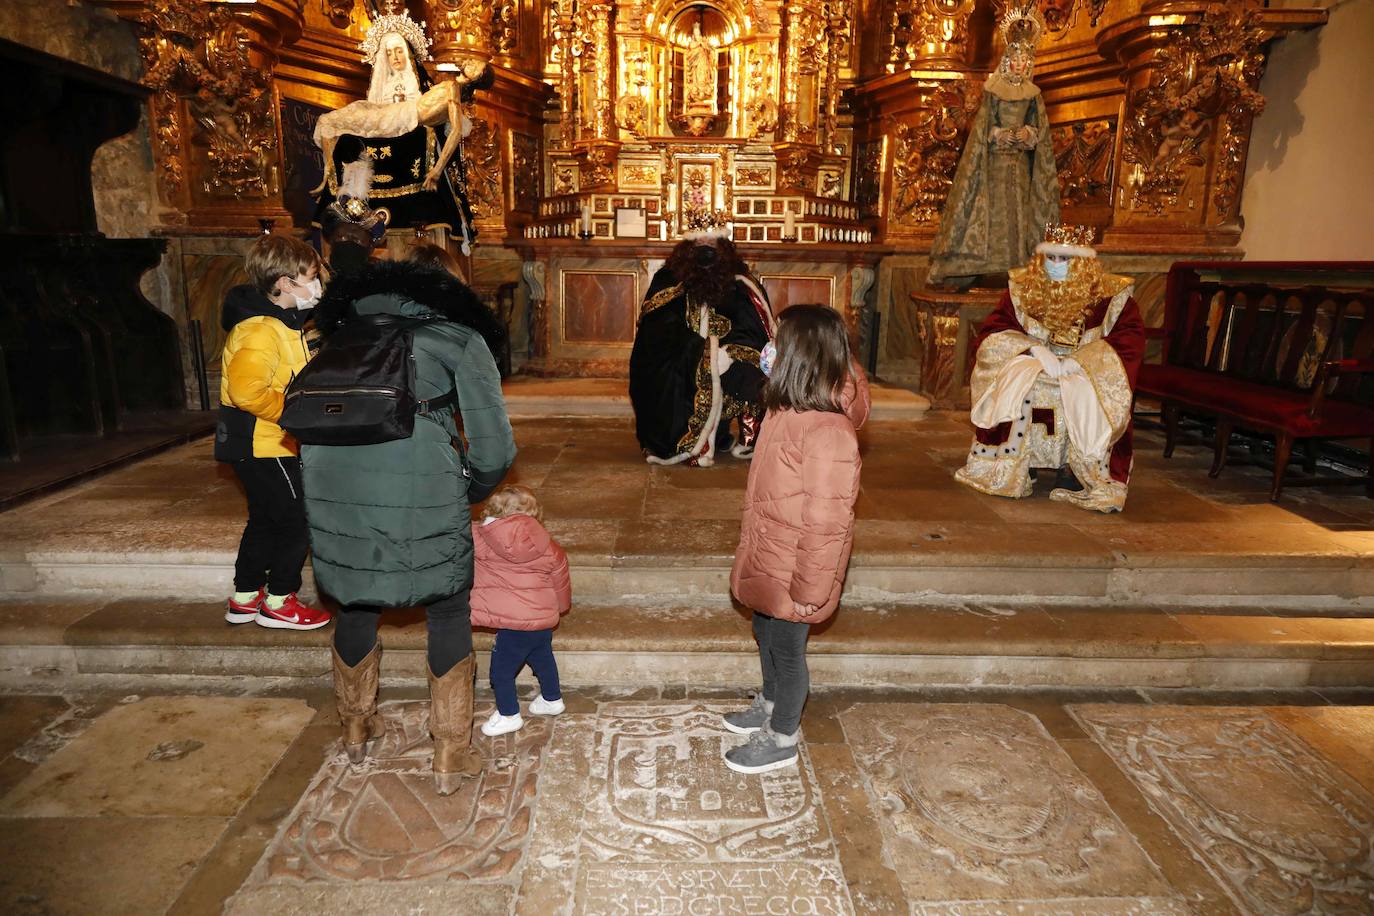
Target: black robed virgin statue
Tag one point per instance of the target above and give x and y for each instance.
(409, 129)
(695, 363)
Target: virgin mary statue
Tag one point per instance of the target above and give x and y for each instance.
(1006, 189)
(408, 130)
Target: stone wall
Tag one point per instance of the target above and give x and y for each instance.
(122, 172)
(1308, 190)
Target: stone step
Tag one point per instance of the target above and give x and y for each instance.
(609, 397)
(632, 646)
(892, 563)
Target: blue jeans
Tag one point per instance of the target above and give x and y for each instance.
(510, 653)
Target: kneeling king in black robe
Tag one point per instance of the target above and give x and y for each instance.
(695, 362)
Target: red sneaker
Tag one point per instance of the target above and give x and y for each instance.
(244, 613)
(292, 616)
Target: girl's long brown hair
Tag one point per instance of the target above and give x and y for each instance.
(812, 363)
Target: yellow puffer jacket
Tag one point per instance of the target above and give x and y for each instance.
(265, 350)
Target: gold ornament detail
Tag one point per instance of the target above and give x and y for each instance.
(505, 26)
(1083, 157)
(482, 162)
(1208, 71)
(754, 178)
(927, 31)
(640, 175)
(196, 52)
(524, 166)
(927, 154)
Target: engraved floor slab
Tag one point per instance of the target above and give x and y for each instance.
(163, 756)
(667, 823)
(1279, 826)
(379, 832)
(983, 813)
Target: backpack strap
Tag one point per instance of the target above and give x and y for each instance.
(444, 400)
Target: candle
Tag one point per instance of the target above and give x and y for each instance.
(789, 224)
(587, 217)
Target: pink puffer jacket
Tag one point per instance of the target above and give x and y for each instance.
(520, 575)
(798, 525)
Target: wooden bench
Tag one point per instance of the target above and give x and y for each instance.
(1276, 347)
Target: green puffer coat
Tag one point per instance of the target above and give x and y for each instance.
(389, 523)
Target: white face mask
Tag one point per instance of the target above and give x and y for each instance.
(315, 288)
(1058, 271)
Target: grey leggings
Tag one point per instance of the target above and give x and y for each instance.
(782, 655)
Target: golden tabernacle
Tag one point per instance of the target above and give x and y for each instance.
(825, 135)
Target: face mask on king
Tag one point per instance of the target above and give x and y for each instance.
(1058, 271)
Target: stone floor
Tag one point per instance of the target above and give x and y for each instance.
(609, 508)
(128, 786)
(925, 802)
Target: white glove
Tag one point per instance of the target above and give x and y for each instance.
(1071, 366)
(1048, 361)
(723, 360)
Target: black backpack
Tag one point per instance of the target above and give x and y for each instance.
(359, 389)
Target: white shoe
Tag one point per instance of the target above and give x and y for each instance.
(542, 707)
(502, 725)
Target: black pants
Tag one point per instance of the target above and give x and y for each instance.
(510, 652)
(449, 622)
(275, 540)
(786, 680)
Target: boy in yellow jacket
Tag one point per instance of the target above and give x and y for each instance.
(265, 349)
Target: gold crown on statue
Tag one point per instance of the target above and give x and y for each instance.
(1022, 25)
(700, 224)
(1068, 239)
(400, 22)
(1067, 234)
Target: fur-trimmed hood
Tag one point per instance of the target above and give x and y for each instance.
(436, 290)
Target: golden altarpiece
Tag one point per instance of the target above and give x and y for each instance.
(824, 133)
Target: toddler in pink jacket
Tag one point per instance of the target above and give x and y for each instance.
(521, 589)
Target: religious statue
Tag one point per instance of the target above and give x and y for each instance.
(1006, 188)
(1055, 376)
(695, 362)
(417, 182)
(699, 76)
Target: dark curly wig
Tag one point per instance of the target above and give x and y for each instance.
(706, 268)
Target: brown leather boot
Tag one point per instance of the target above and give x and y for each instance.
(355, 693)
(450, 722)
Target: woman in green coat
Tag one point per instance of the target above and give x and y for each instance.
(390, 525)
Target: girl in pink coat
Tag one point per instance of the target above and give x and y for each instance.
(521, 589)
(798, 523)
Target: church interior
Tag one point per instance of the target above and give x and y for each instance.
(1161, 705)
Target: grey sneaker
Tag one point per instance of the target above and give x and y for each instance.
(748, 721)
(765, 751)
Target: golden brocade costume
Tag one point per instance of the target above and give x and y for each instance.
(1053, 384)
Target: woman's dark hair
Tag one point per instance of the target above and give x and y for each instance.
(427, 254)
(706, 268)
(813, 360)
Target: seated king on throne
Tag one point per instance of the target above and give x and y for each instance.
(1055, 376)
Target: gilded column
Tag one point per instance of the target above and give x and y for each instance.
(597, 155)
(461, 31)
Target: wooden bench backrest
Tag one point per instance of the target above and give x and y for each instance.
(1270, 331)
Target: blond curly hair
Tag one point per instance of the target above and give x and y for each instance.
(513, 500)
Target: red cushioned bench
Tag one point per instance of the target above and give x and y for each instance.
(1284, 348)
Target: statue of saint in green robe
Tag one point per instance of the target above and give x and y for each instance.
(1006, 188)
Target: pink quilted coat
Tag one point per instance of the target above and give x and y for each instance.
(520, 575)
(798, 524)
